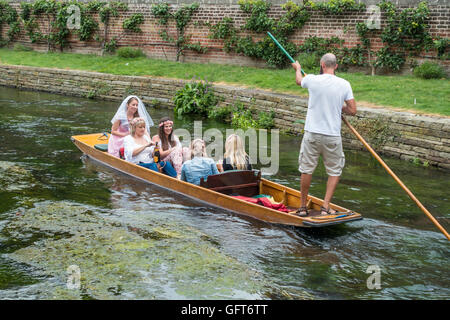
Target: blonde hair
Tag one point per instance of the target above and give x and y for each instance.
(198, 148)
(134, 123)
(234, 150)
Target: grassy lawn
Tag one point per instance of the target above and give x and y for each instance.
(431, 96)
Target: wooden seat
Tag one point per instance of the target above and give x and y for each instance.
(236, 182)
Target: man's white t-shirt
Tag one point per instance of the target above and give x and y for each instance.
(327, 94)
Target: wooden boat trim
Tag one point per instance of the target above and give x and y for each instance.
(209, 196)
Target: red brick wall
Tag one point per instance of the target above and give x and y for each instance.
(318, 25)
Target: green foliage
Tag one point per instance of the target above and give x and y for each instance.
(407, 28)
(9, 15)
(128, 52)
(26, 12)
(266, 120)
(352, 56)
(56, 13)
(429, 70)
(338, 6)
(182, 18)
(320, 46)
(309, 61)
(314, 48)
(441, 45)
(87, 27)
(195, 98)
(242, 117)
(362, 30)
(260, 22)
(133, 23)
(111, 46)
(221, 113)
(223, 30)
(389, 59)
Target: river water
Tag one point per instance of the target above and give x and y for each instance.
(71, 228)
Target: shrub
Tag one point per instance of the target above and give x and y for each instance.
(310, 62)
(128, 52)
(266, 120)
(429, 70)
(242, 117)
(221, 113)
(195, 98)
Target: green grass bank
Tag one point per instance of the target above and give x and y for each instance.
(402, 92)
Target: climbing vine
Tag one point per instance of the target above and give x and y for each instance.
(182, 17)
(260, 22)
(56, 15)
(405, 32)
(405, 35)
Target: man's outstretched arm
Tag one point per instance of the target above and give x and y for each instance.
(298, 72)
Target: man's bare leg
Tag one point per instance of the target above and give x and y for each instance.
(304, 188)
(331, 187)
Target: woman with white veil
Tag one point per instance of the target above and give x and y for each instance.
(130, 108)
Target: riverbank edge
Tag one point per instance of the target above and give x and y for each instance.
(425, 140)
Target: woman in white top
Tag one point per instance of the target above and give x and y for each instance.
(139, 149)
(130, 108)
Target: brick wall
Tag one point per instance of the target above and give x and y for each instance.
(213, 11)
(398, 134)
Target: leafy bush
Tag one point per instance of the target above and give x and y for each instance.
(388, 59)
(243, 118)
(221, 113)
(310, 62)
(128, 52)
(429, 70)
(266, 120)
(195, 98)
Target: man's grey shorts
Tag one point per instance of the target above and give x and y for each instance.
(330, 147)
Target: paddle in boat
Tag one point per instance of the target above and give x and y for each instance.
(242, 192)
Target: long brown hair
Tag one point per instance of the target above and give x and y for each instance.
(162, 135)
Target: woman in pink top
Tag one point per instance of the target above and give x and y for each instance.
(129, 109)
(171, 148)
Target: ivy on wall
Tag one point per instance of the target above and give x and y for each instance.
(182, 18)
(405, 32)
(56, 15)
(405, 35)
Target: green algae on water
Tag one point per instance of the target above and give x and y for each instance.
(120, 261)
(14, 177)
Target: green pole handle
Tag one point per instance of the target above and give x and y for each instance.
(282, 49)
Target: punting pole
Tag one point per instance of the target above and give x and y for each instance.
(284, 50)
(376, 156)
(385, 166)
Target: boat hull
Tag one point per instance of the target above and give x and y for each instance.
(289, 196)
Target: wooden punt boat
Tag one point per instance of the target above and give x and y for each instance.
(216, 195)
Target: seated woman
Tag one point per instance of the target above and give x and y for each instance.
(200, 166)
(171, 149)
(139, 149)
(130, 108)
(235, 157)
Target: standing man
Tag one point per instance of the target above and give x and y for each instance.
(327, 94)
